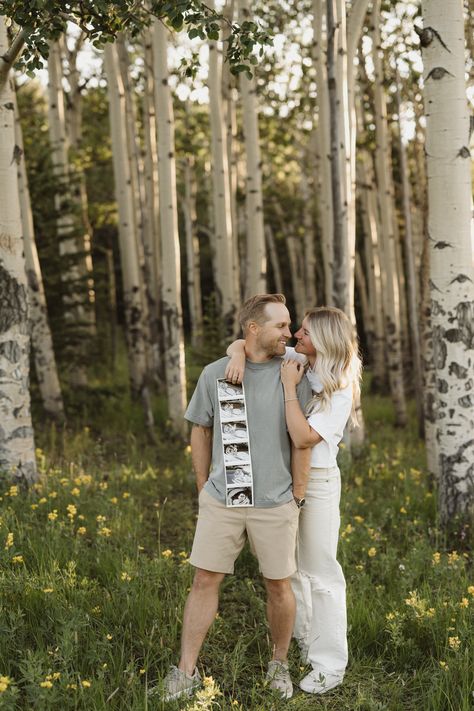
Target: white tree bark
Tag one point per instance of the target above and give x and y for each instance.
(273, 255)
(17, 447)
(171, 284)
(451, 253)
(390, 291)
(72, 245)
(224, 252)
(131, 273)
(256, 258)
(42, 342)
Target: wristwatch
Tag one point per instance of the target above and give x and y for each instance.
(299, 502)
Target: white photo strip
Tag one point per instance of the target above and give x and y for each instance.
(235, 444)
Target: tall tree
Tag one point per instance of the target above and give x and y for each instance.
(172, 311)
(17, 449)
(451, 251)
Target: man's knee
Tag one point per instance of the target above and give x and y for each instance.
(207, 580)
(278, 589)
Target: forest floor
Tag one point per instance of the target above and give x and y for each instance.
(95, 572)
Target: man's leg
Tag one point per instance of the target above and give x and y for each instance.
(199, 613)
(281, 615)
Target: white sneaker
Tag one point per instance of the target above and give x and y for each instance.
(176, 684)
(318, 683)
(279, 678)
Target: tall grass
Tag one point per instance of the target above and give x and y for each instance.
(95, 573)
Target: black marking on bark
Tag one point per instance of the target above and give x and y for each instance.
(9, 106)
(21, 433)
(461, 278)
(438, 73)
(466, 401)
(14, 303)
(443, 386)
(16, 157)
(465, 319)
(33, 282)
(464, 152)
(442, 245)
(453, 335)
(11, 351)
(433, 286)
(427, 35)
(458, 370)
(456, 470)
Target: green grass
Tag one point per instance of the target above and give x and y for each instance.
(91, 610)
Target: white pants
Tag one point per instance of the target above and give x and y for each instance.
(319, 584)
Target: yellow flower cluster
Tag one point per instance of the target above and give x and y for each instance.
(454, 643)
(71, 511)
(9, 541)
(105, 532)
(52, 516)
(5, 682)
(17, 559)
(167, 553)
(48, 681)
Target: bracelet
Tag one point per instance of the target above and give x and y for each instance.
(289, 399)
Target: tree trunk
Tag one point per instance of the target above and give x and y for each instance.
(224, 253)
(256, 271)
(74, 272)
(309, 261)
(273, 254)
(171, 284)
(131, 273)
(45, 362)
(387, 243)
(451, 252)
(193, 277)
(17, 447)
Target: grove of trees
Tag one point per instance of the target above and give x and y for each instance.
(161, 161)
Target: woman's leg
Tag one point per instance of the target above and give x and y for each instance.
(318, 567)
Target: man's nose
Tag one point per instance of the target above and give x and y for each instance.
(287, 333)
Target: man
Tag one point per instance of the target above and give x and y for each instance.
(271, 523)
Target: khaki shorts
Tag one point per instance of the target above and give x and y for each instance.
(221, 533)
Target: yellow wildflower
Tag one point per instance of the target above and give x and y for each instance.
(46, 684)
(359, 567)
(452, 557)
(109, 636)
(349, 528)
(53, 494)
(372, 552)
(13, 491)
(81, 530)
(142, 671)
(86, 684)
(17, 559)
(43, 500)
(71, 686)
(76, 491)
(436, 558)
(126, 495)
(114, 500)
(5, 682)
(125, 576)
(104, 531)
(358, 519)
(444, 666)
(103, 485)
(52, 516)
(71, 510)
(454, 643)
(471, 589)
(33, 506)
(100, 519)
(464, 602)
(167, 553)
(48, 590)
(9, 541)
(403, 510)
(401, 476)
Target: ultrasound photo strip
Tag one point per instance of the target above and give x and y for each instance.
(235, 444)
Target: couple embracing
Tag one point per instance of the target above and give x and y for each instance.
(294, 405)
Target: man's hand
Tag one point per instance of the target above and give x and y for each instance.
(201, 453)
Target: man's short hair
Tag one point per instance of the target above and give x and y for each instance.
(254, 308)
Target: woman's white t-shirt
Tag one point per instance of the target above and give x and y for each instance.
(330, 423)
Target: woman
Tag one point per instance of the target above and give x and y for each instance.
(327, 344)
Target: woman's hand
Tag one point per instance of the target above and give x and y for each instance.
(291, 372)
(235, 368)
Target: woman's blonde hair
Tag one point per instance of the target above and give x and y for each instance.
(337, 361)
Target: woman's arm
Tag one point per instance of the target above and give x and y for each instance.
(236, 366)
(301, 432)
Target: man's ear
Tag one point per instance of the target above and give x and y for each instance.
(252, 328)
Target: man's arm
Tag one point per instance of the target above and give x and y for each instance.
(300, 464)
(201, 453)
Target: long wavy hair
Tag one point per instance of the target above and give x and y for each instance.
(337, 361)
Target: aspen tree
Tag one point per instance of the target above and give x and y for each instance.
(17, 447)
(74, 272)
(273, 256)
(42, 342)
(451, 252)
(224, 252)
(256, 259)
(131, 273)
(171, 282)
(390, 292)
(193, 277)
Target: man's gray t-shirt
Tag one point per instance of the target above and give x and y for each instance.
(270, 447)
